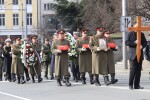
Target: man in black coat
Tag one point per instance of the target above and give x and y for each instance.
(135, 66)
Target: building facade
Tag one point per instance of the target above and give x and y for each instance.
(13, 18)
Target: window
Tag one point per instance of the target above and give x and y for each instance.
(147, 19)
(15, 2)
(2, 19)
(15, 19)
(1, 2)
(29, 19)
(48, 6)
(28, 1)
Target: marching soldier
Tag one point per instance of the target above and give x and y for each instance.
(35, 69)
(7, 59)
(52, 65)
(17, 65)
(60, 48)
(1, 60)
(110, 58)
(46, 57)
(85, 57)
(98, 45)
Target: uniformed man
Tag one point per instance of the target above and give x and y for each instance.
(98, 45)
(35, 69)
(17, 66)
(74, 62)
(7, 60)
(110, 57)
(1, 60)
(46, 57)
(52, 65)
(60, 48)
(85, 56)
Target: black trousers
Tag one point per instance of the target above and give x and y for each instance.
(135, 72)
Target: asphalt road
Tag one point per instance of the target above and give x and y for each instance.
(48, 90)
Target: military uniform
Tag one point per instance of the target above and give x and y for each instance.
(7, 62)
(17, 66)
(99, 58)
(61, 60)
(1, 63)
(46, 58)
(85, 59)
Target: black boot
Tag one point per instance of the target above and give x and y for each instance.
(97, 83)
(22, 80)
(39, 78)
(113, 80)
(18, 79)
(67, 82)
(83, 80)
(13, 76)
(33, 80)
(51, 77)
(0, 78)
(106, 80)
(91, 79)
(59, 82)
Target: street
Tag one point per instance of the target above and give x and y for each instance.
(48, 90)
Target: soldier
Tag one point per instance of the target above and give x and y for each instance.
(1, 60)
(74, 62)
(7, 60)
(60, 48)
(35, 69)
(17, 65)
(110, 58)
(52, 65)
(98, 45)
(85, 57)
(46, 57)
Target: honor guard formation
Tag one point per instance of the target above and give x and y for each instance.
(82, 54)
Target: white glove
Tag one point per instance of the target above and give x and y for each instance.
(10, 53)
(98, 49)
(59, 51)
(83, 49)
(116, 47)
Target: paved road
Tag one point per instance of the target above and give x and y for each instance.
(48, 90)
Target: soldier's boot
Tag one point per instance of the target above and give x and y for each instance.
(91, 79)
(5, 76)
(0, 77)
(13, 77)
(39, 78)
(46, 76)
(59, 82)
(76, 77)
(67, 82)
(83, 80)
(22, 80)
(18, 78)
(113, 80)
(51, 77)
(33, 80)
(106, 80)
(27, 77)
(97, 83)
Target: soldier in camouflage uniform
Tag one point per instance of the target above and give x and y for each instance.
(46, 57)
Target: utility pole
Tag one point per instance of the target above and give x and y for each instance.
(124, 37)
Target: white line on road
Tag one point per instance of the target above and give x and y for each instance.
(18, 97)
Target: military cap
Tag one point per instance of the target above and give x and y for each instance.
(75, 33)
(84, 30)
(18, 39)
(8, 40)
(99, 29)
(62, 31)
(46, 39)
(34, 36)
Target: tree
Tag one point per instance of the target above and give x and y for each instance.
(69, 13)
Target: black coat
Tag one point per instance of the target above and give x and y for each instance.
(7, 59)
(130, 41)
(147, 51)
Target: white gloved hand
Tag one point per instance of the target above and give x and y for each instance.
(83, 49)
(98, 49)
(116, 47)
(10, 53)
(59, 51)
